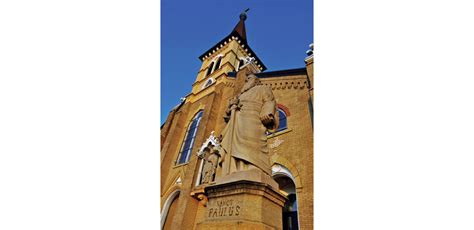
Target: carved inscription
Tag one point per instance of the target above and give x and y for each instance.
(224, 208)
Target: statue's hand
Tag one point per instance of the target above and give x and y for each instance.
(267, 120)
(227, 114)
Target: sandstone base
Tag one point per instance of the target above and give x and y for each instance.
(235, 225)
(242, 204)
(249, 175)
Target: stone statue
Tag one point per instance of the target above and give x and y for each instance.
(248, 116)
(211, 157)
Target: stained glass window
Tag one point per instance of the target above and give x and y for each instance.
(282, 119)
(187, 146)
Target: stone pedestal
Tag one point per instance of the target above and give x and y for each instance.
(243, 204)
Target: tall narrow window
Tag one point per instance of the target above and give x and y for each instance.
(218, 63)
(209, 69)
(282, 120)
(187, 145)
(241, 63)
(286, 183)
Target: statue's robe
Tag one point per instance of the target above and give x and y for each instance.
(244, 137)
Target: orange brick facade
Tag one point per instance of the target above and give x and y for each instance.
(291, 148)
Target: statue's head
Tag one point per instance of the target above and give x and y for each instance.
(250, 81)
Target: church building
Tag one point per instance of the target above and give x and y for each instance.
(198, 120)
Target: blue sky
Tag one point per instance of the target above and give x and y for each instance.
(279, 31)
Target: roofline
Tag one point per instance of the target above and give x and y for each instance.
(282, 73)
(277, 73)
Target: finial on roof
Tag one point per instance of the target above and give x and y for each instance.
(240, 27)
(243, 15)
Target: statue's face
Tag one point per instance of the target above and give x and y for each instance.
(250, 81)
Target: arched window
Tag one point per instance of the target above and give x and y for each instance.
(282, 114)
(286, 183)
(187, 145)
(169, 210)
(282, 120)
(218, 63)
(209, 69)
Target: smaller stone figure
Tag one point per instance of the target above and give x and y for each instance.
(211, 157)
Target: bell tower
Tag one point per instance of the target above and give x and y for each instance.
(228, 55)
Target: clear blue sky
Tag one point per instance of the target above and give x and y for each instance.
(279, 31)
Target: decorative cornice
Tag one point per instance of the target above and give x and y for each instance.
(229, 84)
(281, 85)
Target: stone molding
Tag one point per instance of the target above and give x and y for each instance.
(245, 187)
(281, 85)
(231, 204)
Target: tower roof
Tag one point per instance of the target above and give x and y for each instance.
(240, 27)
(239, 34)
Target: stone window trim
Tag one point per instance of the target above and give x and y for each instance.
(284, 108)
(278, 133)
(180, 165)
(280, 170)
